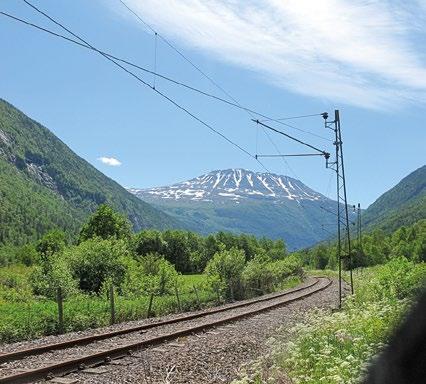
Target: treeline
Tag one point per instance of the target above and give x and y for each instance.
(150, 262)
(375, 247)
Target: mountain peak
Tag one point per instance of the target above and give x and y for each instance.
(234, 184)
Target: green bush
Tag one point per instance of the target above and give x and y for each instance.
(263, 274)
(94, 261)
(54, 273)
(227, 268)
(257, 275)
(150, 274)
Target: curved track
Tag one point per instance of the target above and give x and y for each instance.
(181, 326)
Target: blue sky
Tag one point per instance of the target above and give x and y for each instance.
(292, 58)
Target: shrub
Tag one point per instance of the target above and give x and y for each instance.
(51, 243)
(257, 274)
(151, 274)
(53, 273)
(227, 267)
(94, 261)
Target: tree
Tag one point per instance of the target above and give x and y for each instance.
(106, 223)
(148, 241)
(52, 242)
(178, 250)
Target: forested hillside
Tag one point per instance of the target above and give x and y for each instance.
(404, 204)
(45, 185)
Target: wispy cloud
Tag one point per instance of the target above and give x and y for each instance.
(111, 161)
(364, 53)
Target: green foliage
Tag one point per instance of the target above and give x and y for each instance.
(377, 247)
(25, 254)
(95, 261)
(148, 241)
(190, 252)
(227, 266)
(402, 205)
(257, 274)
(14, 284)
(151, 274)
(264, 275)
(106, 224)
(51, 274)
(398, 279)
(51, 243)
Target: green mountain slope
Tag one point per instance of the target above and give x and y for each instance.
(404, 204)
(298, 227)
(44, 184)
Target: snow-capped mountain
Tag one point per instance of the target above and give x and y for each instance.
(232, 185)
(237, 200)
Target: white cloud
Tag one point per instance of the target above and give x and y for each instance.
(111, 161)
(364, 53)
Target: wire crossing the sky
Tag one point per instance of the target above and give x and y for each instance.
(111, 59)
(235, 102)
(115, 60)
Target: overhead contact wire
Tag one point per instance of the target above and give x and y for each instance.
(110, 58)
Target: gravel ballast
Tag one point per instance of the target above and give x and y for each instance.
(215, 356)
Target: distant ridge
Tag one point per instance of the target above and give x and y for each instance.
(239, 200)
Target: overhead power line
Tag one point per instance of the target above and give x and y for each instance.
(196, 67)
(109, 58)
(144, 69)
(235, 102)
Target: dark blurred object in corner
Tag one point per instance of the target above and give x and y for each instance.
(404, 360)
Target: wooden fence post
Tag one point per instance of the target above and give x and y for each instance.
(197, 297)
(59, 300)
(112, 303)
(178, 298)
(151, 298)
(219, 301)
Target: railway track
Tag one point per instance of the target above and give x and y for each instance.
(80, 353)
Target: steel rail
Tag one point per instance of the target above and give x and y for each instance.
(19, 354)
(105, 356)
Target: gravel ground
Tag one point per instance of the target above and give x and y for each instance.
(60, 355)
(215, 356)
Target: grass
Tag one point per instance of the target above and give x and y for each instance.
(335, 348)
(24, 316)
(28, 317)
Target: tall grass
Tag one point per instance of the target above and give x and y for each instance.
(24, 316)
(335, 348)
